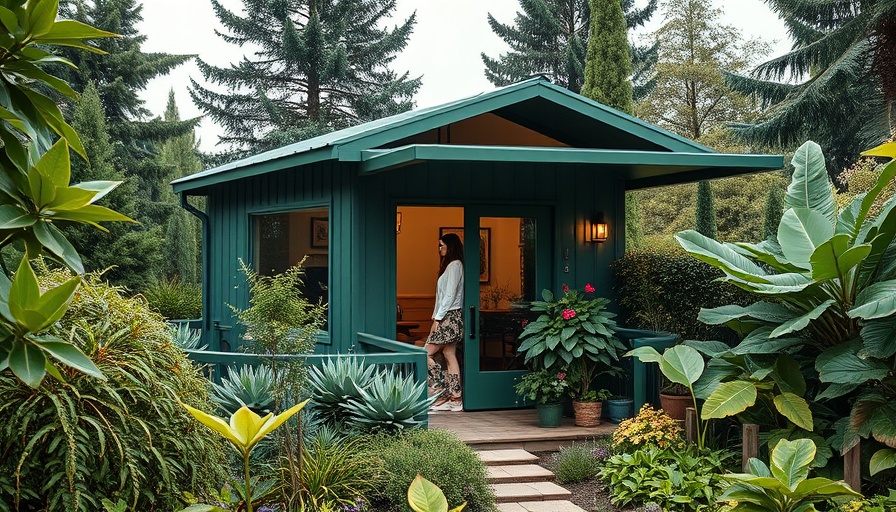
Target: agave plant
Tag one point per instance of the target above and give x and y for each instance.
(389, 402)
(248, 386)
(828, 284)
(186, 338)
(335, 383)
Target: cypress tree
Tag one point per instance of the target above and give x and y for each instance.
(319, 65)
(608, 63)
(634, 234)
(181, 155)
(774, 208)
(547, 38)
(131, 252)
(706, 214)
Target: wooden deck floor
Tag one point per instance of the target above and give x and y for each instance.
(489, 430)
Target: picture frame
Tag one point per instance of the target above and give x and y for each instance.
(320, 232)
(485, 239)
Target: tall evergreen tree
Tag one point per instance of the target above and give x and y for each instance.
(845, 53)
(182, 156)
(130, 252)
(691, 97)
(318, 65)
(119, 76)
(634, 234)
(548, 38)
(774, 207)
(608, 63)
(706, 212)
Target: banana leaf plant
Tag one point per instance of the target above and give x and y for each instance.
(826, 284)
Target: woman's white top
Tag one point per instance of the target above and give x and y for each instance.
(449, 290)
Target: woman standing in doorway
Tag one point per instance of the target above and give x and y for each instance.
(447, 325)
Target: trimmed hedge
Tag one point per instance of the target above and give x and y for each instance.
(664, 289)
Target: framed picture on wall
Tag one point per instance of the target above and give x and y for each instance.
(320, 232)
(485, 239)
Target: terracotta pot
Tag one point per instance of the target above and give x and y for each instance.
(675, 405)
(587, 413)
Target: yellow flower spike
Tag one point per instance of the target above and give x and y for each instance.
(215, 423)
(246, 428)
(885, 150)
(276, 421)
(245, 424)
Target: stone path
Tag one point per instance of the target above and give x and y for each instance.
(521, 485)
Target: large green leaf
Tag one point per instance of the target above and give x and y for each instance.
(720, 256)
(70, 30)
(55, 242)
(875, 301)
(834, 258)
(13, 217)
(800, 232)
(879, 337)
(27, 362)
(873, 266)
(69, 355)
(760, 342)
(882, 460)
(795, 409)
(769, 252)
(820, 486)
(810, 186)
(788, 375)
(24, 291)
(682, 364)
(54, 302)
(56, 165)
(840, 364)
(764, 311)
(790, 461)
(887, 173)
(800, 322)
(728, 399)
(847, 221)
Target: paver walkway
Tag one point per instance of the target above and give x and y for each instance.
(521, 485)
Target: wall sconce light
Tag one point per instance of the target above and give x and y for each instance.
(597, 229)
(398, 223)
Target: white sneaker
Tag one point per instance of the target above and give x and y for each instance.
(450, 405)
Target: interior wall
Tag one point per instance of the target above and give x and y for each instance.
(417, 247)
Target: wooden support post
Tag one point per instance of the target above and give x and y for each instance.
(750, 444)
(852, 467)
(690, 425)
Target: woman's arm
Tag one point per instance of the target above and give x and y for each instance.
(447, 285)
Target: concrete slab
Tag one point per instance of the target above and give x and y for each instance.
(529, 491)
(518, 473)
(541, 506)
(506, 457)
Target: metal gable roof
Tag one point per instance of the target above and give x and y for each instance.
(532, 102)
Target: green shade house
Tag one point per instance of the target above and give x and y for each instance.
(531, 176)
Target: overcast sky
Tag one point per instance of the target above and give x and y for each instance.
(444, 48)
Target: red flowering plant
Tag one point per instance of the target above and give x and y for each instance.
(574, 333)
(542, 386)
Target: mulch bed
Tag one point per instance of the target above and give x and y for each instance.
(591, 495)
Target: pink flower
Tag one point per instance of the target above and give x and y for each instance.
(561, 375)
(524, 322)
(568, 313)
(589, 288)
(565, 288)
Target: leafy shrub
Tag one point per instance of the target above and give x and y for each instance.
(437, 455)
(335, 473)
(663, 290)
(67, 445)
(649, 429)
(377, 400)
(175, 300)
(579, 462)
(249, 386)
(676, 479)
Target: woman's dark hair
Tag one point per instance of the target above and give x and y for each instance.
(455, 251)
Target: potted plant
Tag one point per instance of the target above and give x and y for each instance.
(545, 389)
(574, 332)
(675, 398)
(588, 407)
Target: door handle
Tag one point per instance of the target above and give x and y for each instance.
(472, 322)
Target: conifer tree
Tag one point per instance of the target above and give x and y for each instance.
(131, 252)
(317, 66)
(774, 207)
(608, 63)
(547, 38)
(634, 234)
(706, 213)
(180, 154)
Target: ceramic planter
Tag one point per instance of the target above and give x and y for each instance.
(619, 409)
(549, 415)
(675, 405)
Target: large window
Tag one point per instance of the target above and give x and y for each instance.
(282, 239)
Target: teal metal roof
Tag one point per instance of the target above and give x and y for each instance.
(639, 169)
(534, 103)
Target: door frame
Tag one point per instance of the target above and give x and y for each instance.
(494, 389)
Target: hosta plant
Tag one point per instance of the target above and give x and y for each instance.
(826, 290)
(785, 486)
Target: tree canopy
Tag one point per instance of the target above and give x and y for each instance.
(315, 66)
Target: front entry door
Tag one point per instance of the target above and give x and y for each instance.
(507, 254)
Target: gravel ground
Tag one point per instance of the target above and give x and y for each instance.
(591, 495)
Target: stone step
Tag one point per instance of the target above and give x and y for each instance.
(518, 473)
(529, 491)
(540, 506)
(506, 457)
